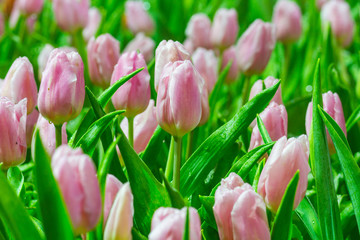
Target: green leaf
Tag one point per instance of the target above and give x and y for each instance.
(307, 214)
(13, 213)
(353, 119)
(327, 206)
(54, 215)
(84, 126)
(208, 203)
(296, 233)
(348, 164)
(281, 228)
(186, 235)
(257, 175)
(262, 129)
(137, 235)
(219, 83)
(16, 179)
(177, 201)
(196, 168)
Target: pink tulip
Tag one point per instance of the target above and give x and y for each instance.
(275, 120)
(113, 185)
(13, 132)
(286, 157)
(180, 87)
(205, 111)
(287, 21)
(29, 7)
(134, 95)
(169, 223)
(71, 15)
(321, 3)
(206, 63)
(120, 221)
(137, 18)
(225, 28)
(76, 176)
(168, 51)
(255, 46)
(47, 134)
(269, 82)
(198, 30)
(19, 83)
(332, 105)
(143, 44)
(338, 14)
(144, 127)
(93, 23)
(62, 90)
(230, 55)
(240, 213)
(189, 46)
(103, 54)
(31, 121)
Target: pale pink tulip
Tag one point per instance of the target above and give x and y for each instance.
(71, 15)
(93, 23)
(198, 30)
(29, 7)
(230, 55)
(31, 121)
(143, 44)
(137, 18)
(225, 28)
(268, 82)
(113, 185)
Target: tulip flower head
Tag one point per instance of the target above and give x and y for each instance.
(225, 28)
(230, 55)
(71, 15)
(113, 185)
(29, 7)
(93, 23)
(268, 82)
(198, 30)
(143, 44)
(137, 18)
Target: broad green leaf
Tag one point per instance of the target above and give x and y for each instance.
(307, 214)
(353, 119)
(296, 233)
(13, 213)
(327, 206)
(207, 155)
(208, 203)
(348, 164)
(16, 179)
(281, 228)
(177, 200)
(137, 235)
(262, 129)
(348, 219)
(54, 215)
(84, 126)
(186, 235)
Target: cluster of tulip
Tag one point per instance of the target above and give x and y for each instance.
(65, 109)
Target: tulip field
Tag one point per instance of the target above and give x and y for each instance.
(179, 119)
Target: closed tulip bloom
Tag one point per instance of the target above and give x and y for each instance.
(338, 14)
(276, 122)
(31, 121)
(134, 95)
(169, 223)
(19, 83)
(287, 21)
(76, 175)
(255, 46)
(137, 18)
(144, 127)
(332, 105)
(29, 7)
(168, 51)
(120, 219)
(230, 55)
(113, 185)
(71, 15)
(13, 132)
(198, 30)
(189, 46)
(62, 89)
(286, 157)
(143, 44)
(180, 86)
(205, 108)
(43, 58)
(225, 28)
(206, 63)
(93, 23)
(269, 82)
(240, 213)
(103, 54)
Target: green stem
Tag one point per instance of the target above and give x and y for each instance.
(287, 52)
(170, 161)
(131, 130)
(58, 135)
(246, 90)
(177, 162)
(189, 145)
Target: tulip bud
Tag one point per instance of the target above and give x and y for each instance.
(240, 213)
(62, 90)
(189, 46)
(225, 28)
(180, 86)
(134, 95)
(269, 82)
(113, 185)
(230, 55)
(338, 14)
(206, 63)
(103, 54)
(93, 23)
(198, 30)
(29, 7)
(19, 83)
(204, 107)
(71, 15)
(143, 44)
(332, 105)
(168, 51)
(275, 120)
(144, 127)
(76, 176)
(43, 58)
(13, 132)
(31, 121)
(255, 46)
(287, 21)
(120, 219)
(169, 223)
(137, 18)
(286, 157)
